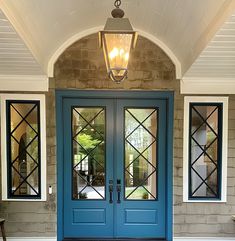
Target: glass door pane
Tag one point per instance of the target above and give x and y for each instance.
(88, 133)
(140, 153)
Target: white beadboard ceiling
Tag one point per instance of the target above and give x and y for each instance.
(15, 57)
(216, 63)
(217, 60)
(19, 71)
(185, 27)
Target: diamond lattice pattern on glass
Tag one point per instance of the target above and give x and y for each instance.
(24, 145)
(88, 136)
(204, 151)
(141, 153)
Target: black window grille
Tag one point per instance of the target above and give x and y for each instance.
(205, 148)
(23, 149)
(141, 163)
(89, 160)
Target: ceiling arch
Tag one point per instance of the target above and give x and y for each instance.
(87, 32)
(46, 25)
(184, 29)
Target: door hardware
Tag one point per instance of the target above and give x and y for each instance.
(110, 191)
(119, 190)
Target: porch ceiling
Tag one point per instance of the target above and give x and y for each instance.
(214, 69)
(218, 58)
(15, 57)
(184, 26)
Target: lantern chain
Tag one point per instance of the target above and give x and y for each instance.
(117, 3)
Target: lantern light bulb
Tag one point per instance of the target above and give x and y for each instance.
(121, 52)
(113, 53)
(126, 56)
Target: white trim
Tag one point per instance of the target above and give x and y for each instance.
(23, 83)
(80, 35)
(203, 239)
(207, 85)
(41, 98)
(205, 99)
(66, 44)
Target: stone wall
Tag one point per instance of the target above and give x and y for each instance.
(82, 66)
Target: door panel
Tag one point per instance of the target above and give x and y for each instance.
(114, 168)
(88, 137)
(140, 136)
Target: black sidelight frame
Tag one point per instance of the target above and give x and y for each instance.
(218, 163)
(9, 135)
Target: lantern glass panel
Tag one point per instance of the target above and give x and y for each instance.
(118, 47)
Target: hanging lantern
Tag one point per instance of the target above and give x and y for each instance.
(117, 39)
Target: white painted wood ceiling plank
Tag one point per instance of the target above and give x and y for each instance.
(15, 57)
(218, 58)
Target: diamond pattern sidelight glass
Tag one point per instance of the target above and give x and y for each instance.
(204, 143)
(141, 153)
(24, 148)
(88, 137)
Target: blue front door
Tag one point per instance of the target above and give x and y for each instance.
(114, 167)
(140, 153)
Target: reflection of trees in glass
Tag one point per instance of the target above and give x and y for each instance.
(87, 142)
(140, 139)
(90, 134)
(91, 138)
(94, 151)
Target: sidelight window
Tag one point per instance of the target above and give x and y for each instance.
(205, 153)
(23, 147)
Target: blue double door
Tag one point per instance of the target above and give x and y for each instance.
(114, 164)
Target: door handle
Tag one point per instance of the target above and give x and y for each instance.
(110, 191)
(118, 191)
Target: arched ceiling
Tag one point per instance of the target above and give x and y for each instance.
(183, 27)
